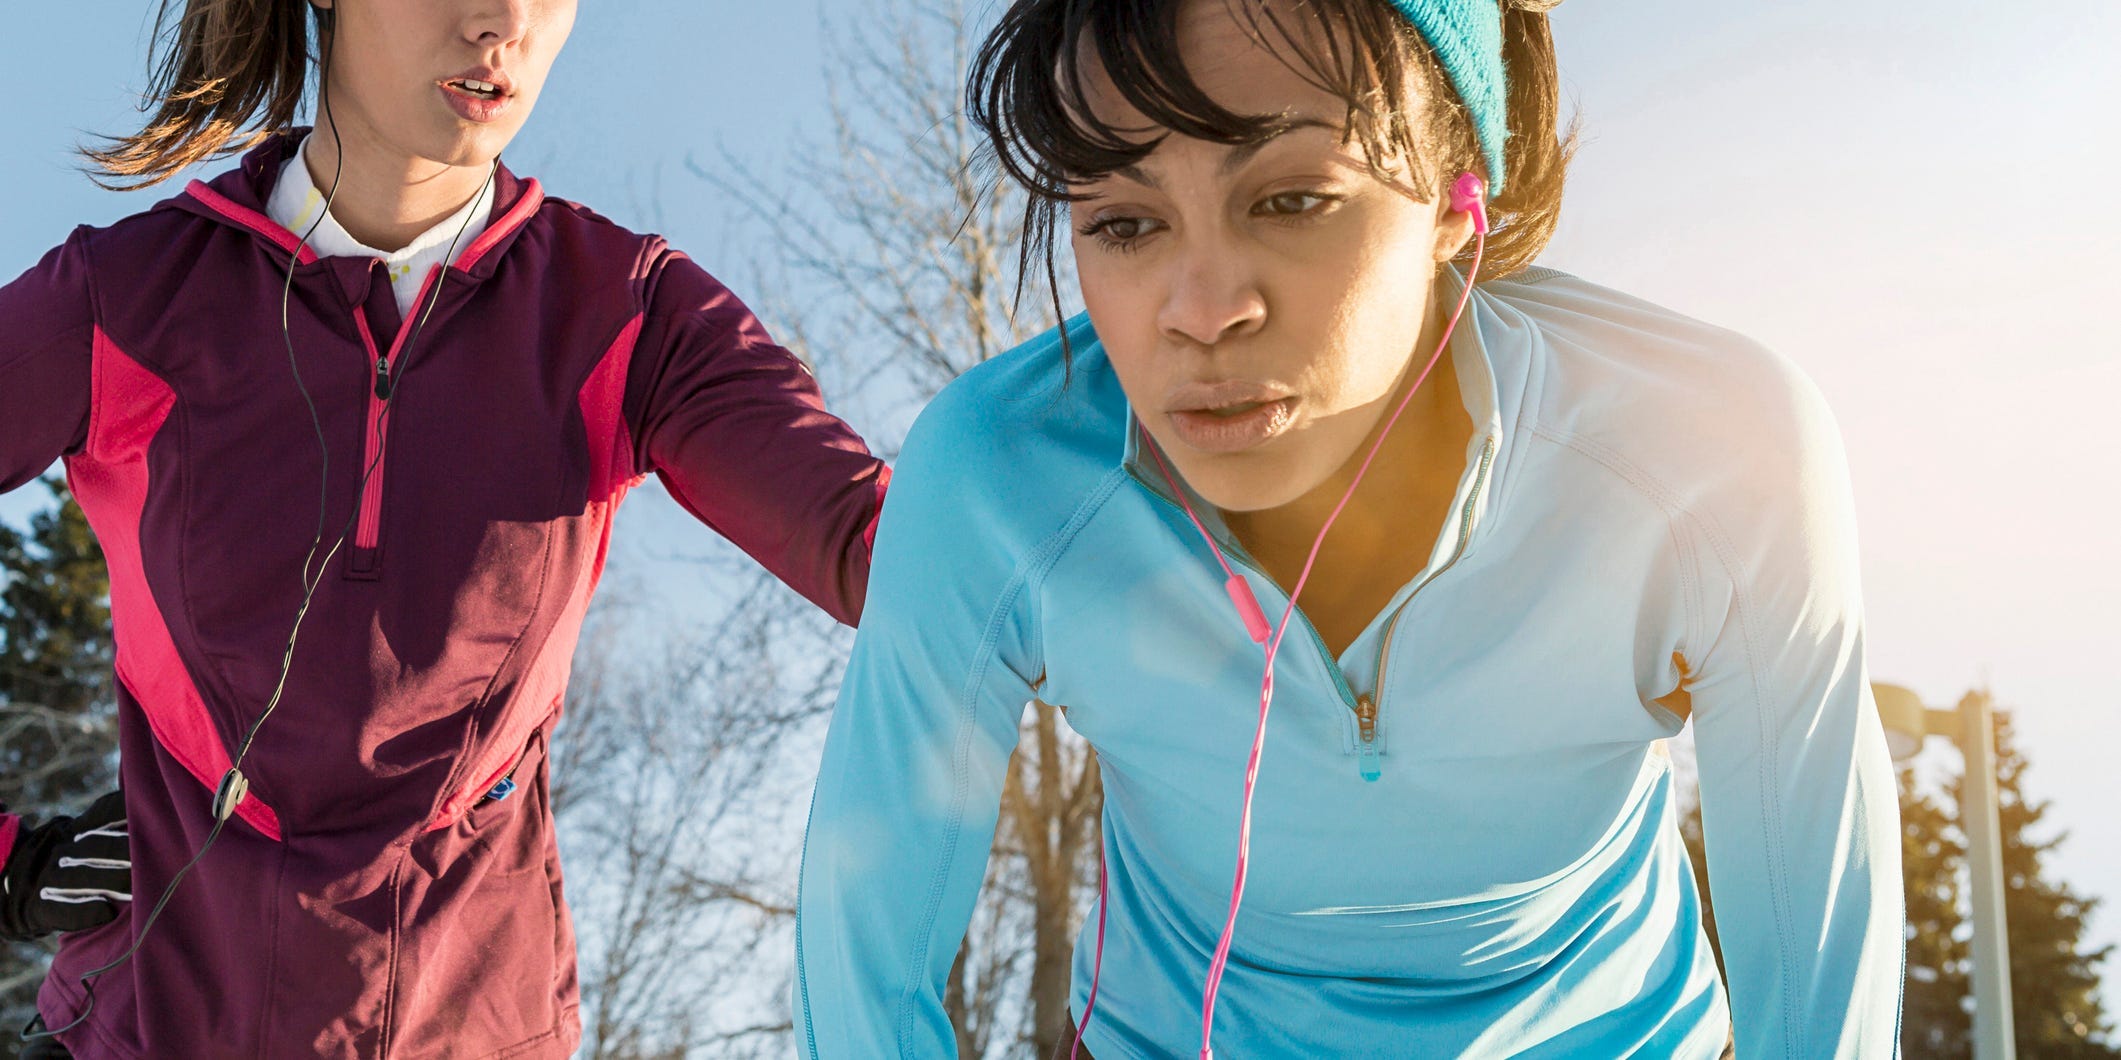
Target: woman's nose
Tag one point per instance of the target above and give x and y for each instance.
(495, 23)
(1212, 297)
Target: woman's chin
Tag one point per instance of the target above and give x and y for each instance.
(1247, 483)
(466, 144)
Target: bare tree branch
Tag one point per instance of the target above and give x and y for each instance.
(885, 258)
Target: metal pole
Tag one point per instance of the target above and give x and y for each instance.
(1993, 1035)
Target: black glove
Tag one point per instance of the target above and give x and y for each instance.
(67, 874)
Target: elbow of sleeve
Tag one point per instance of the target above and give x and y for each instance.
(861, 555)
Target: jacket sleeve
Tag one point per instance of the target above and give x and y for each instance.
(47, 335)
(1800, 810)
(910, 787)
(737, 430)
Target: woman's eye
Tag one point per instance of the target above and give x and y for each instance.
(1120, 233)
(1291, 204)
(1124, 228)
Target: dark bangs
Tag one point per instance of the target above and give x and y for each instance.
(1026, 92)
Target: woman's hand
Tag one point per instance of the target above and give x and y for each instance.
(68, 874)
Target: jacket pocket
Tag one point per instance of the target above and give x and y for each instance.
(481, 938)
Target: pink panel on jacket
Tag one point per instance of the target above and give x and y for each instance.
(602, 399)
(110, 479)
(883, 486)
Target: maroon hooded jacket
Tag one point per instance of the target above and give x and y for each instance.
(372, 897)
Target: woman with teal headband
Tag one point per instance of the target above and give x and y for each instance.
(1564, 524)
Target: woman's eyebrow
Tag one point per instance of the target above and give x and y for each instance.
(1242, 153)
(1138, 175)
(1239, 153)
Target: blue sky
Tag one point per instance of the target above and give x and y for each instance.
(1919, 209)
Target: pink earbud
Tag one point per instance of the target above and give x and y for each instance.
(1469, 194)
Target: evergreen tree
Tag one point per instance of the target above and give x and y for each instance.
(2056, 1009)
(1936, 1020)
(2055, 1003)
(58, 736)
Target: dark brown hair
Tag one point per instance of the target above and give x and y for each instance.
(1026, 90)
(224, 74)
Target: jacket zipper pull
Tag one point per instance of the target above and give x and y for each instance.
(1366, 727)
(382, 378)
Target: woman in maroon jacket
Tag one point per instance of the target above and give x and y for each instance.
(371, 385)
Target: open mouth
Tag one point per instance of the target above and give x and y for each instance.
(1228, 411)
(475, 88)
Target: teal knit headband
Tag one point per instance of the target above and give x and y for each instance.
(1466, 36)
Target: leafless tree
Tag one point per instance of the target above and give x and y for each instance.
(678, 784)
(892, 266)
(887, 261)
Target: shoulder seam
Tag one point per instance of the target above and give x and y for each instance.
(1676, 516)
(1064, 539)
(1626, 470)
(1661, 495)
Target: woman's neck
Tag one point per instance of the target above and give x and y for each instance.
(1382, 539)
(386, 198)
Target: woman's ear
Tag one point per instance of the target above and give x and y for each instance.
(1453, 229)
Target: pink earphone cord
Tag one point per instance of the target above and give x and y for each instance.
(1466, 196)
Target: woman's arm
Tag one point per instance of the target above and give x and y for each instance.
(47, 346)
(1799, 806)
(47, 336)
(910, 786)
(737, 430)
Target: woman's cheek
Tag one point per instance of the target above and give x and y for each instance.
(1121, 301)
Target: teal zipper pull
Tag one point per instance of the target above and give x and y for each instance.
(1366, 730)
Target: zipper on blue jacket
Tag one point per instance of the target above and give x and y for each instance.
(1366, 728)
(1365, 708)
(1366, 733)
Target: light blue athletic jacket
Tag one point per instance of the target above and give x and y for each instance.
(1649, 505)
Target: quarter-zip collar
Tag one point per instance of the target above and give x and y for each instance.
(240, 199)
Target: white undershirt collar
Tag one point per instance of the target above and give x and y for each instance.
(296, 201)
